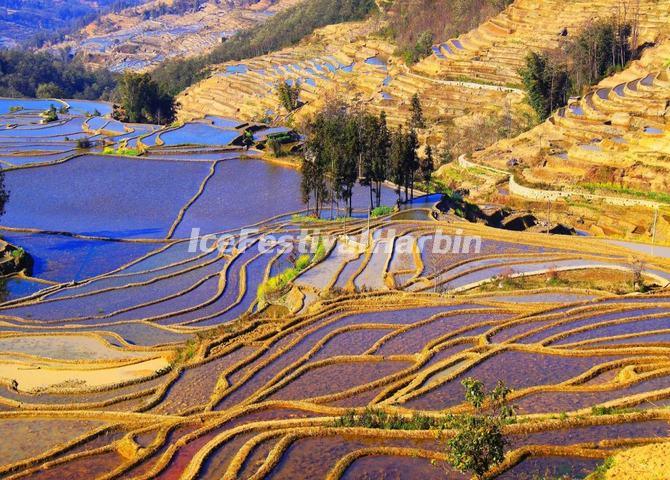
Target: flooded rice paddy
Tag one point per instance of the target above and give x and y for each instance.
(124, 352)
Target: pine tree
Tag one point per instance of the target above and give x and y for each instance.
(417, 120)
(397, 160)
(427, 166)
(288, 95)
(411, 161)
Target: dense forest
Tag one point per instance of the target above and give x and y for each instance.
(417, 24)
(284, 29)
(29, 74)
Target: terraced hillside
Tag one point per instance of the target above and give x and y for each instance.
(141, 37)
(347, 60)
(20, 20)
(138, 348)
(609, 147)
(496, 50)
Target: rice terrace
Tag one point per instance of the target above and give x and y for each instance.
(335, 239)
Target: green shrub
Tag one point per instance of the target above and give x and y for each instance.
(129, 152)
(50, 115)
(479, 441)
(381, 211)
(319, 252)
(275, 147)
(378, 419)
(302, 262)
(601, 470)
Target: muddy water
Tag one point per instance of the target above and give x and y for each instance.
(551, 467)
(21, 439)
(307, 343)
(86, 467)
(414, 340)
(398, 468)
(516, 369)
(336, 378)
(564, 401)
(195, 385)
(314, 457)
(354, 342)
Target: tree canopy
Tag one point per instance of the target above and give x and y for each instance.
(551, 77)
(29, 74)
(143, 101)
(479, 441)
(345, 146)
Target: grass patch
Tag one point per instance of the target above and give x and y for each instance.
(662, 197)
(129, 152)
(318, 220)
(618, 282)
(601, 470)
(186, 353)
(600, 411)
(381, 211)
(378, 419)
(281, 281)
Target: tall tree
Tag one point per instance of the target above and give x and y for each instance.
(143, 101)
(288, 94)
(397, 158)
(411, 163)
(546, 80)
(427, 165)
(347, 172)
(380, 163)
(374, 154)
(417, 120)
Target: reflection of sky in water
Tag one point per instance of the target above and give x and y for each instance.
(118, 196)
(62, 258)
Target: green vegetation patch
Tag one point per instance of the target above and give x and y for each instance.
(661, 197)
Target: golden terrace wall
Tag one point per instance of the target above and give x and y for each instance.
(554, 195)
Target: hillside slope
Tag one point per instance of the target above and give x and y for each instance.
(22, 19)
(613, 143)
(141, 37)
(347, 60)
(496, 50)
(612, 146)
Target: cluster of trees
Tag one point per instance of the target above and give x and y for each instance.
(142, 100)
(288, 94)
(417, 24)
(43, 75)
(30, 74)
(600, 49)
(284, 29)
(345, 146)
